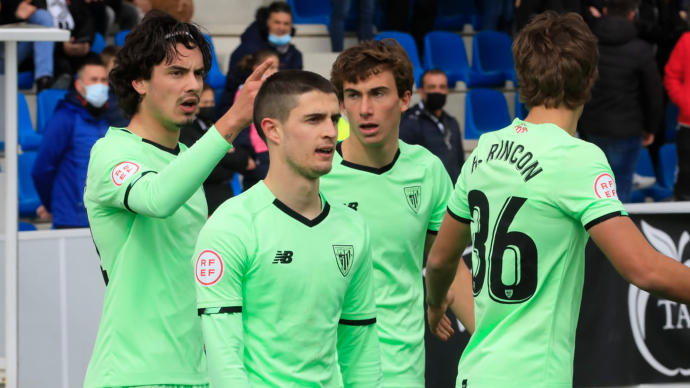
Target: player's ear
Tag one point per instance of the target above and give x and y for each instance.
(139, 85)
(270, 127)
(405, 100)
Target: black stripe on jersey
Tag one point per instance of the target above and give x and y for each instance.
(434, 232)
(357, 322)
(174, 151)
(222, 310)
(373, 170)
(126, 202)
(105, 276)
(301, 218)
(458, 218)
(602, 219)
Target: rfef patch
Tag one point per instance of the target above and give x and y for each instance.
(208, 268)
(123, 171)
(605, 186)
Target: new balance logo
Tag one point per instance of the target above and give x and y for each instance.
(352, 205)
(283, 257)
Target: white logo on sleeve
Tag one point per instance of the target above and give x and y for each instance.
(605, 186)
(209, 268)
(123, 171)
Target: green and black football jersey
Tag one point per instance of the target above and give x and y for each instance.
(145, 207)
(530, 193)
(401, 203)
(287, 294)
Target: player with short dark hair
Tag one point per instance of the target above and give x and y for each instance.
(284, 277)
(528, 198)
(400, 189)
(145, 207)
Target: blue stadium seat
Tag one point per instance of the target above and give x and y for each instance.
(120, 37)
(98, 43)
(46, 101)
(407, 42)
(486, 110)
(215, 77)
(454, 14)
(25, 79)
(28, 197)
(310, 11)
(665, 174)
(236, 184)
(671, 122)
(492, 52)
(26, 227)
(446, 51)
(29, 140)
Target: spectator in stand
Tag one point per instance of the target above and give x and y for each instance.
(365, 29)
(626, 105)
(236, 78)
(217, 186)
(428, 125)
(677, 83)
(114, 114)
(70, 56)
(273, 30)
(14, 11)
(398, 17)
(59, 172)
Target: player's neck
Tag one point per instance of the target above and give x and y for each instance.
(144, 125)
(562, 117)
(296, 191)
(375, 156)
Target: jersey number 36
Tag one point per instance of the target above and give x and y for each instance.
(511, 256)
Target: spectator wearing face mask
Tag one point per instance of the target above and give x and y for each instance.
(217, 186)
(428, 125)
(59, 172)
(273, 30)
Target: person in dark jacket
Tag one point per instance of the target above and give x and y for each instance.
(59, 172)
(217, 186)
(428, 125)
(272, 29)
(626, 105)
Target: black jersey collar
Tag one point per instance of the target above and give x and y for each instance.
(174, 151)
(373, 170)
(310, 223)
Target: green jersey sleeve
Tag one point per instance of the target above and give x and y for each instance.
(220, 263)
(441, 191)
(357, 345)
(587, 189)
(126, 182)
(224, 344)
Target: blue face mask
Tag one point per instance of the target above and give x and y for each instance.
(96, 94)
(279, 40)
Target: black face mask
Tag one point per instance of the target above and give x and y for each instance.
(434, 101)
(207, 114)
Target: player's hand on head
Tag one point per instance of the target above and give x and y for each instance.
(243, 107)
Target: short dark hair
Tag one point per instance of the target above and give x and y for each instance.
(620, 7)
(264, 13)
(108, 53)
(151, 42)
(372, 57)
(431, 71)
(91, 59)
(279, 92)
(556, 59)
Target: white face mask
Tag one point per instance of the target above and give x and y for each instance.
(96, 94)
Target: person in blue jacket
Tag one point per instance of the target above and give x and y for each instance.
(59, 172)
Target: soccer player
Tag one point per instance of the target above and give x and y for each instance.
(283, 275)
(529, 197)
(145, 207)
(400, 189)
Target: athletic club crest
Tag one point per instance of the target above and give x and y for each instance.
(344, 254)
(413, 195)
